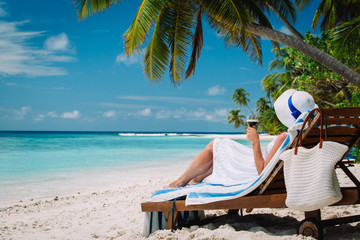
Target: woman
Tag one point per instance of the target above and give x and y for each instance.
(224, 161)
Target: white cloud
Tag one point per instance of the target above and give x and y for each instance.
(145, 112)
(3, 12)
(109, 114)
(216, 90)
(39, 117)
(71, 115)
(245, 69)
(21, 113)
(58, 43)
(52, 114)
(219, 115)
(19, 57)
(129, 60)
(170, 99)
(199, 114)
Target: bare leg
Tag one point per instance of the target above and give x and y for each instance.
(199, 166)
(201, 177)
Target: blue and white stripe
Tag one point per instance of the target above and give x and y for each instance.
(202, 193)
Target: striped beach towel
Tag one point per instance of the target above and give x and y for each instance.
(203, 193)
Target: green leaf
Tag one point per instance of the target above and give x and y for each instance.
(136, 35)
(157, 52)
(84, 8)
(180, 36)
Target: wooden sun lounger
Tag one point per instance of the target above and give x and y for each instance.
(343, 126)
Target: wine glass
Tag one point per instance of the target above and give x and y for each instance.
(252, 120)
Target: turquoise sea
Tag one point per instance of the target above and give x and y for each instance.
(46, 164)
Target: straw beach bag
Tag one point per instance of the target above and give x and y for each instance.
(310, 178)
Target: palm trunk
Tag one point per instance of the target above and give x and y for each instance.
(346, 93)
(250, 110)
(316, 54)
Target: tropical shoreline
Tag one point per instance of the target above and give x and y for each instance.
(116, 214)
(75, 176)
(110, 209)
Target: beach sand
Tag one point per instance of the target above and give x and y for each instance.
(116, 214)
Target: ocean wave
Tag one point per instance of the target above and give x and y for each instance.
(153, 134)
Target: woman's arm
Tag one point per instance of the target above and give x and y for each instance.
(260, 163)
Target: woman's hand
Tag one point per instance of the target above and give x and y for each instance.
(253, 135)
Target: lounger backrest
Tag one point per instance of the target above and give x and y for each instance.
(339, 125)
(342, 125)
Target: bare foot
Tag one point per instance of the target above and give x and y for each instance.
(193, 181)
(175, 184)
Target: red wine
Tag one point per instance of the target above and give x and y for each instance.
(252, 122)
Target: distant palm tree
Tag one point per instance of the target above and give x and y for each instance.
(276, 83)
(262, 105)
(240, 97)
(269, 122)
(236, 118)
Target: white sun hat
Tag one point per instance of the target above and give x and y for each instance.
(291, 104)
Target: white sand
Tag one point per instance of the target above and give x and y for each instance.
(116, 214)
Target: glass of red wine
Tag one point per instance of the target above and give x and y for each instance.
(252, 121)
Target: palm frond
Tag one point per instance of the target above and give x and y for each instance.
(84, 8)
(335, 13)
(347, 37)
(253, 48)
(256, 10)
(285, 8)
(157, 51)
(317, 15)
(230, 19)
(276, 64)
(197, 45)
(180, 37)
(276, 82)
(136, 35)
(300, 4)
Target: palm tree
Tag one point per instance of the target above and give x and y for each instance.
(276, 83)
(239, 23)
(335, 13)
(344, 17)
(240, 96)
(262, 105)
(269, 122)
(235, 118)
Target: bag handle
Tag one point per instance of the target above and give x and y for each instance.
(299, 138)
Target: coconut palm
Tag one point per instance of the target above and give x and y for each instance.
(344, 16)
(269, 122)
(262, 105)
(177, 27)
(240, 97)
(276, 83)
(236, 118)
(335, 13)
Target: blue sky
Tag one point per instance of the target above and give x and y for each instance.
(57, 73)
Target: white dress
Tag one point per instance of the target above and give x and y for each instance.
(233, 163)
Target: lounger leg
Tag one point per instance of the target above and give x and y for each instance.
(233, 212)
(314, 214)
(311, 225)
(169, 219)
